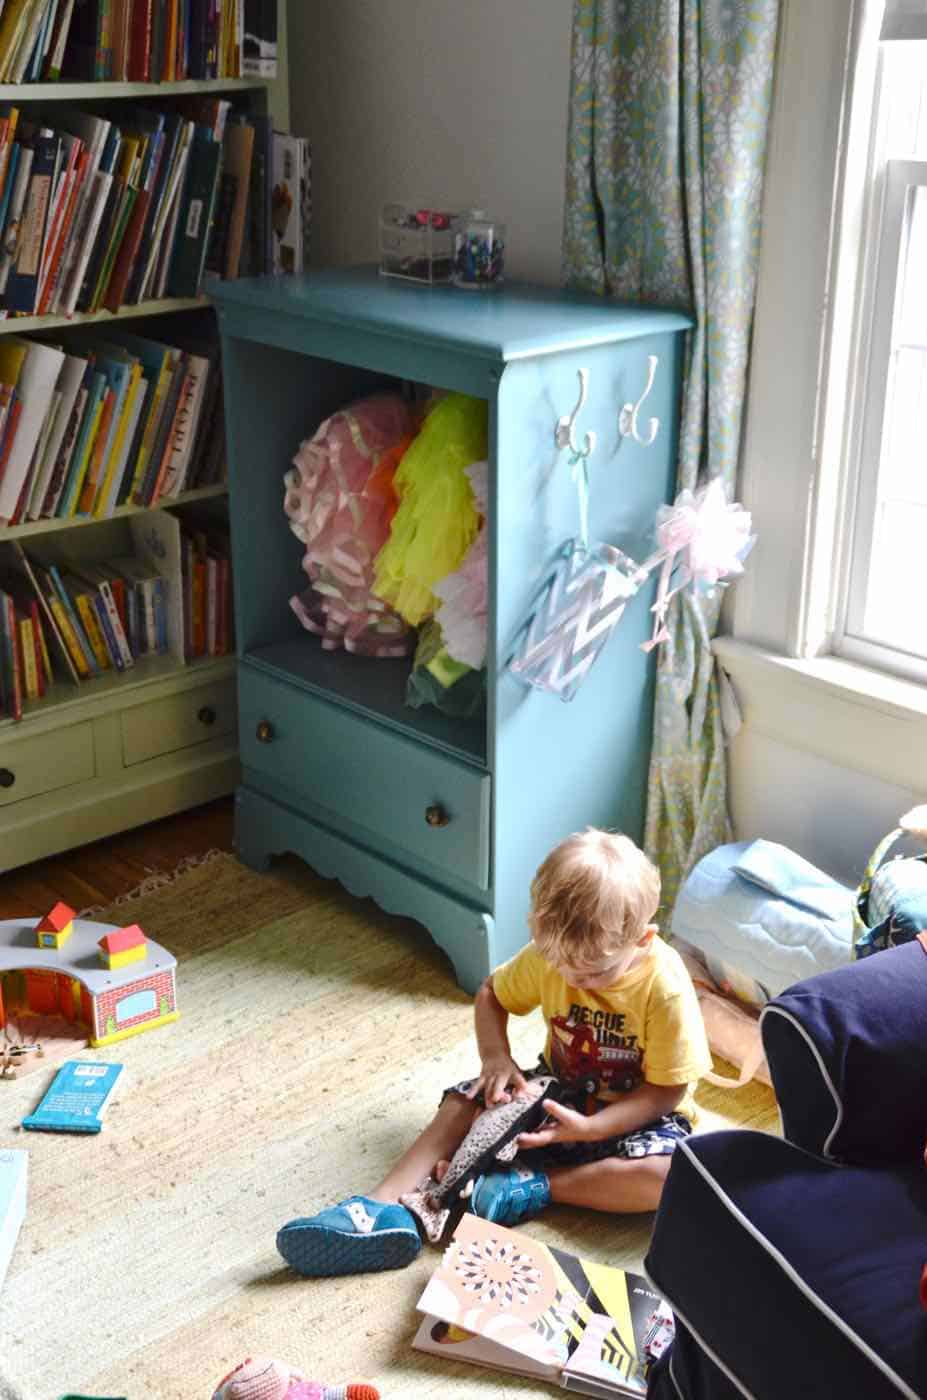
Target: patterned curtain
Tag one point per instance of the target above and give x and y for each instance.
(669, 107)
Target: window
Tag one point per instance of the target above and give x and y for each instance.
(881, 616)
(143, 1003)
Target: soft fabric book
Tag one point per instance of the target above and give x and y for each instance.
(76, 1099)
(14, 1172)
(504, 1300)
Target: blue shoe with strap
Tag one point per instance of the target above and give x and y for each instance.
(506, 1197)
(357, 1236)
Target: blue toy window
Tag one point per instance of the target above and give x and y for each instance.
(48, 939)
(136, 1004)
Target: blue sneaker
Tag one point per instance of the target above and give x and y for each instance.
(358, 1236)
(506, 1197)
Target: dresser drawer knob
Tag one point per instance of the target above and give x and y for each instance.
(206, 715)
(265, 732)
(435, 815)
(7, 778)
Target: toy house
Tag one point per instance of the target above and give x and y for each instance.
(125, 945)
(133, 990)
(56, 928)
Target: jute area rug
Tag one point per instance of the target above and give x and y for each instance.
(316, 1034)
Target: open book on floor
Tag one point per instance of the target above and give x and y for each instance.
(502, 1299)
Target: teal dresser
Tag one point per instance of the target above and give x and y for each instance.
(444, 820)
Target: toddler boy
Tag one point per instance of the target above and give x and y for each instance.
(623, 1026)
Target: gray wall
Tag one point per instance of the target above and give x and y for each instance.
(442, 102)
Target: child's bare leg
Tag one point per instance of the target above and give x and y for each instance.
(619, 1185)
(439, 1141)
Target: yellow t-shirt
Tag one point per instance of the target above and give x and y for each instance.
(647, 1026)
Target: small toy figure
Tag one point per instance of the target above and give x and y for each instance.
(260, 1379)
(12, 1054)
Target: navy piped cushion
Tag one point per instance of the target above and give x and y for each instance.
(801, 1277)
(847, 1053)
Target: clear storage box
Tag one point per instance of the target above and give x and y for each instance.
(416, 243)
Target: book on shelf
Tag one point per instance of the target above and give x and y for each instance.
(259, 45)
(289, 201)
(136, 40)
(503, 1300)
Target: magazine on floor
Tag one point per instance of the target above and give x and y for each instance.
(503, 1300)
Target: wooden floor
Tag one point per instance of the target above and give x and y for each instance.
(97, 874)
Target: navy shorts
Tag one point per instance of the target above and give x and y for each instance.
(655, 1139)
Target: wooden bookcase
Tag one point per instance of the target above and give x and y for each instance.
(118, 750)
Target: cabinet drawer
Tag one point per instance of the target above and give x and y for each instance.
(178, 721)
(400, 790)
(29, 767)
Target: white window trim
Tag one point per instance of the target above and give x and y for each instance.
(876, 297)
(793, 470)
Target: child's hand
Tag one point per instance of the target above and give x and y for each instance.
(497, 1076)
(569, 1126)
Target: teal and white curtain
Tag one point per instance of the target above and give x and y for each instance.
(669, 108)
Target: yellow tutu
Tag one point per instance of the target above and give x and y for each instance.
(437, 519)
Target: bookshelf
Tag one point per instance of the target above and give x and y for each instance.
(119, 749)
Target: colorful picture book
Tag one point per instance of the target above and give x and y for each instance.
(291, 202)
(140, 41)
(503, 1300)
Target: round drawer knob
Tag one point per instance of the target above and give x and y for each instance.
(435, 815)
(265, 732)
(7, 779)
(206, 715)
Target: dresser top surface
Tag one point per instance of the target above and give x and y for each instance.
(513, 322)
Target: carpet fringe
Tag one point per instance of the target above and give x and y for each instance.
(156, 880)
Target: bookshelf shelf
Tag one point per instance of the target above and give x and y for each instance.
(56, 525)
(113, 689)
(19, 93)
(19, 325)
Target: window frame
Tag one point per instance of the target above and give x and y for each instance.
(880, 253)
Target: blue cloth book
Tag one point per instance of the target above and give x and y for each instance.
(76, 1098)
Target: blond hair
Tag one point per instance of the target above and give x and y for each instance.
(595, 893)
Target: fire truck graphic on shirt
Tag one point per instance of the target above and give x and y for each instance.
(595, 1056)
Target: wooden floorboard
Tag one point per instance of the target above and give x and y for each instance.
(100, 872)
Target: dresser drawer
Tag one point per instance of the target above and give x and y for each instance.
(178, 721)
(30, 767)
(398, 789)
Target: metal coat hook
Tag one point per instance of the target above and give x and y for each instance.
(564, 431)
(627, 418)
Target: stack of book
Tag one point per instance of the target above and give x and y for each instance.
(72, 619)
(123, 419)
(140, 41)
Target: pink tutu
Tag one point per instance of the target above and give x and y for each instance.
(340, 502)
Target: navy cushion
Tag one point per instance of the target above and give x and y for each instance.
(847, 1053)
(798, 1277)
(686, 1372)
